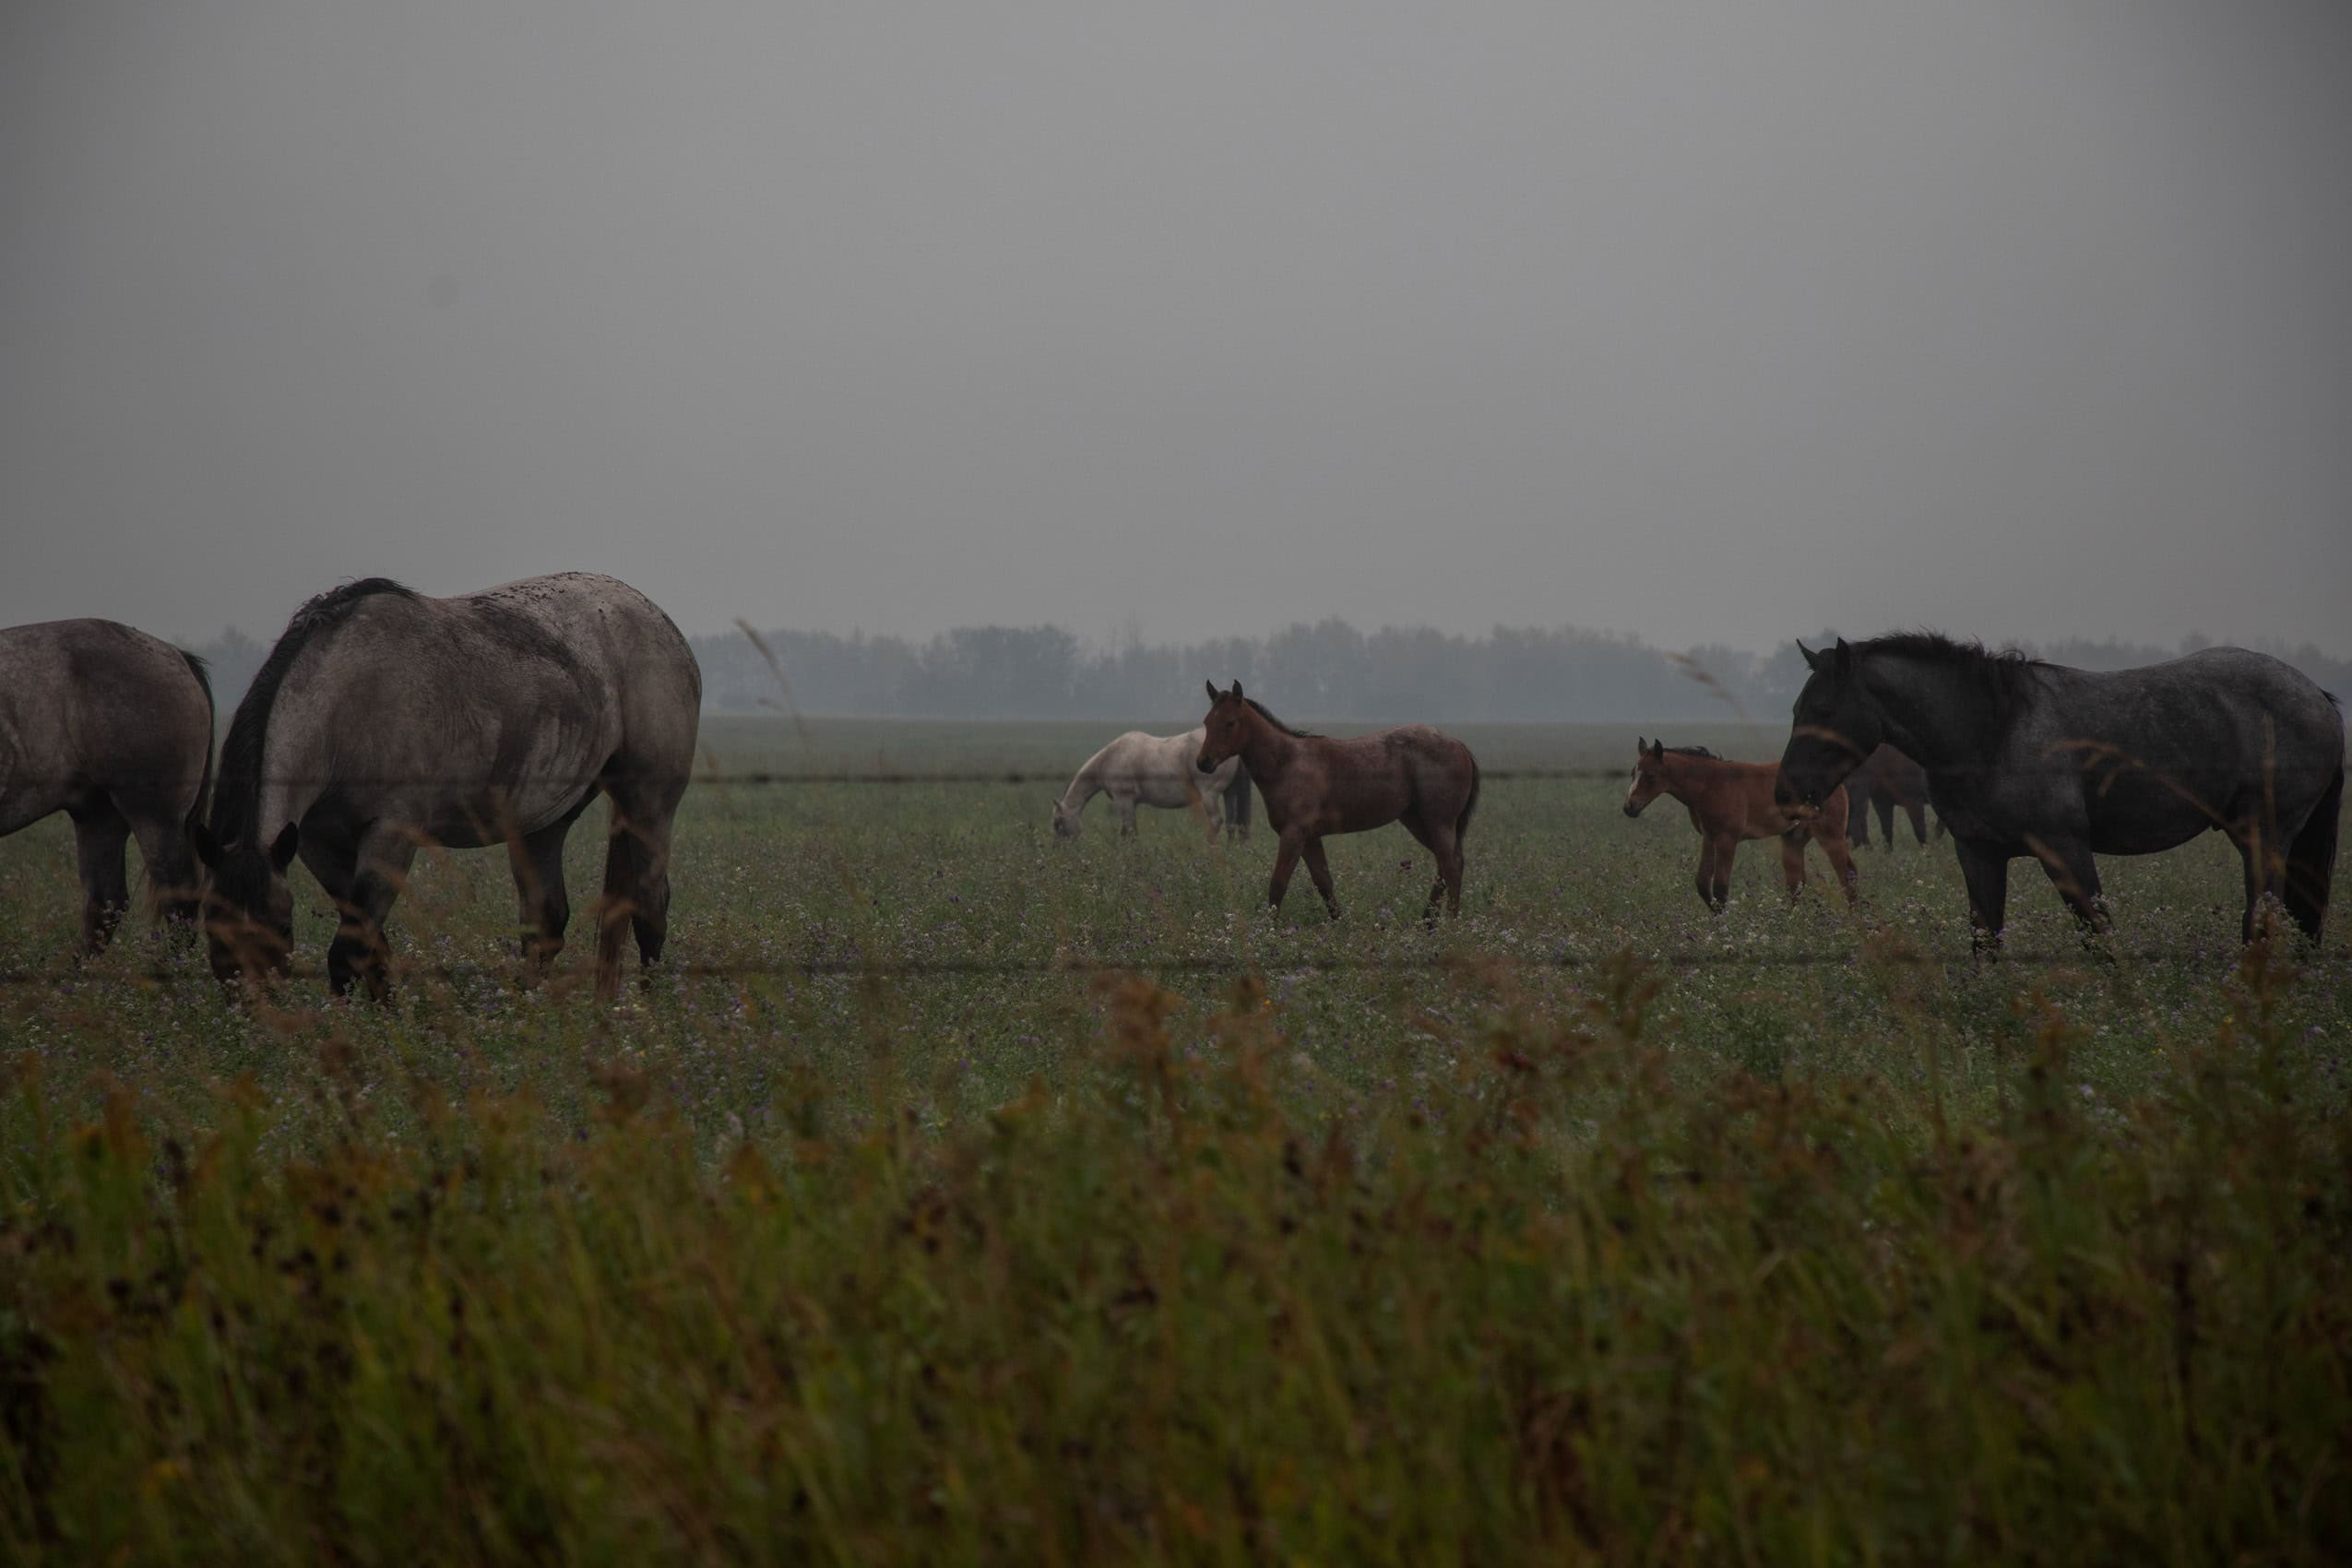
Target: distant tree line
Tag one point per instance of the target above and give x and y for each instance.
(1326, 671)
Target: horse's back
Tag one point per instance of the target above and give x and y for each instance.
(2166, 750)
(613, 640)
(92, 704)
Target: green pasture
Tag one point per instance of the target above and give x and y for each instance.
(958, 1194)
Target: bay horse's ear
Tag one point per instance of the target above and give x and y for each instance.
(1844, 656)
(281, 853)
(1657, 748)
(1813, 660)
(1212, 689)
(1237, 691)
(206, 848)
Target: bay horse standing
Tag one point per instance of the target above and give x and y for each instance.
(2024, 757)
(382, 720)
(1731, 802)
(1156, 770)
(114, 728)
(1886, 780)
(1314, 786)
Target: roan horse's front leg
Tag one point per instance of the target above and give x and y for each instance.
(1986, 871)
(379, 869)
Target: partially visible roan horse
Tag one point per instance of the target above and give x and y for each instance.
(114, 728)
(2029, 758)
(382, 720)
(1314, 786)
(1156, 770)
(1886, 780)
(1731, 802)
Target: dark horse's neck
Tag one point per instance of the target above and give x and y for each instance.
(1947, 718)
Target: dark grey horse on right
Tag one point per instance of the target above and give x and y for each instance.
(2029, 758)
(114, 728)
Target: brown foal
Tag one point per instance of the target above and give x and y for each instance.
(1731, 803)
(1313, 785)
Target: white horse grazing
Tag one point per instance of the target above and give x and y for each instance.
(1156, 770)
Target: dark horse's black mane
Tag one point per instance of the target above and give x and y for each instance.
(237, 795)
(2003, 673)
(1268, 713)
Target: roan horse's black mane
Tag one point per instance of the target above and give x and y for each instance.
(1268, 713)
(2002, 674)
(237, 796)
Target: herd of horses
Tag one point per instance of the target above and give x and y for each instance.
(383, 720)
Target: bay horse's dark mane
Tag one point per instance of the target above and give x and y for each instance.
(1268, 713)
(1694, 751)
(237, 791)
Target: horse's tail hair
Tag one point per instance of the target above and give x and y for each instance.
(2310, 860)
(1462, 822)
(202, 671)
(1237, 800)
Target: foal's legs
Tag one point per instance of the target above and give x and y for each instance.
(1715, 871)
(1286, 859)
(1792, 861)
(1841, 861)
(100, 835)
(1320, 869)
(1986, 871)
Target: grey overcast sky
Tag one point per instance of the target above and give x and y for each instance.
(1708, 322)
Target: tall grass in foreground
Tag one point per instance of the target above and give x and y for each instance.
(1583, 1308)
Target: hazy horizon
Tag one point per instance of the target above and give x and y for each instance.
(1702, 325)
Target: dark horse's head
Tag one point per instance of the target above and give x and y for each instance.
(1836, 725)
(248, 907)
(1227, 724)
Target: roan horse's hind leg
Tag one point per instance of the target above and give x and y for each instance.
(99, 835)
(636, 878)
(537, 860)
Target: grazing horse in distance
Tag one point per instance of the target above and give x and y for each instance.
(1886, 780)
(1731, 802)
(2024, 757)
(1156, 770)
(1314, 785)
(384, 719)
(114, 728)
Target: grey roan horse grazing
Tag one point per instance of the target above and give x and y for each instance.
(2028, 758)
(114, 728)
(384, 719)
(1313, 785)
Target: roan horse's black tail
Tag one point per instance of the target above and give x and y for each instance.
(1462, 822)
(197, 668)
(1237, 801)
(2310, 860)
